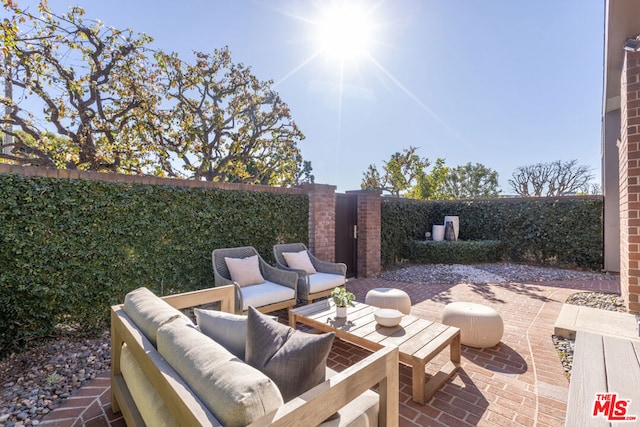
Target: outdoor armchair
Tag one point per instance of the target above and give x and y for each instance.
(311, 285)
(274, 289)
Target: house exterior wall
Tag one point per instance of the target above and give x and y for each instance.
(611, 190)
(629, 180)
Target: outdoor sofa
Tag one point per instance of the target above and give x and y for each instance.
(165, 371)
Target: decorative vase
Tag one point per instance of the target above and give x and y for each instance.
(437, 232)
(341, 312)
(456, 224)
(449, 232)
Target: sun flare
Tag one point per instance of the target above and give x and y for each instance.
(344, 31)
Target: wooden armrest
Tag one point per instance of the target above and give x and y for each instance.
(172, 389)
(319, 403)
(223, 294)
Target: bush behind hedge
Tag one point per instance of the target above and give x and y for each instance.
(562, 231)
(71, 248)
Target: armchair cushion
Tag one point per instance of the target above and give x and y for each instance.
(245, 271)
(322, 281)
(299, 261)
(265, 294)
(296, 361)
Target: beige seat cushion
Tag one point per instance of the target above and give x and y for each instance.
(265, 294)
(235, 392)
(360, 412)
(324, 281)
(152, 408)
(149, 312)
(299, 261)
(245, 271)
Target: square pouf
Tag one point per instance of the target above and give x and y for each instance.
(480, 326)
(389, 298)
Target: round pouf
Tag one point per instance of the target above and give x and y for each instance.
(480, 326)
(389, 298)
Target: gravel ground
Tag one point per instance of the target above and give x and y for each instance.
(488, 273)
(34, 382)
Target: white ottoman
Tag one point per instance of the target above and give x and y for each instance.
(389, 298)
(480, 326)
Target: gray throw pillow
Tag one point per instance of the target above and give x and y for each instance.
(227, 329)
(296, 361)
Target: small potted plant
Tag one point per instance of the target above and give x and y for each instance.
(341, 298)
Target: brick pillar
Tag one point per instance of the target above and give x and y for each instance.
(369, 236)
(322, 220)
(629, 156)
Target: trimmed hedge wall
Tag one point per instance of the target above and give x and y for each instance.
(563, 231)
(71, 248)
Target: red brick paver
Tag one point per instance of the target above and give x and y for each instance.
(519, 382)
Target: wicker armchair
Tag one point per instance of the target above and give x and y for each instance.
(277, 292)
(312, 286)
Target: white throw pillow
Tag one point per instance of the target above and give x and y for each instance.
(245, 271)
(299, 261)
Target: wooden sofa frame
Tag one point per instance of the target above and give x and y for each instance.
(314, 406)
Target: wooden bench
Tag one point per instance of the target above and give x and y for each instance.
(603, 365)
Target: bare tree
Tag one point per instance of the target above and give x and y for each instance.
(224, 124)
(550, 179)
(91, 83)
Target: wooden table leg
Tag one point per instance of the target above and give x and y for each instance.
(455, 350)
(292, 319)
(419, 378)
(423, 390)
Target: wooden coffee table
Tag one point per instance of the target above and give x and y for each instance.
(419, 340)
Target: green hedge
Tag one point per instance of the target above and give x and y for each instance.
(458, 252)
(71, 248)
(563, 231)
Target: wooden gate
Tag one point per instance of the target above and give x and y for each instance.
(347, 232)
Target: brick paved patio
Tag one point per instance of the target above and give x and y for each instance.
(518, 382)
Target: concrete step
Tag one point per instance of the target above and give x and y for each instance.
(574, 318)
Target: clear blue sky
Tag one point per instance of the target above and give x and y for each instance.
(503, 83)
